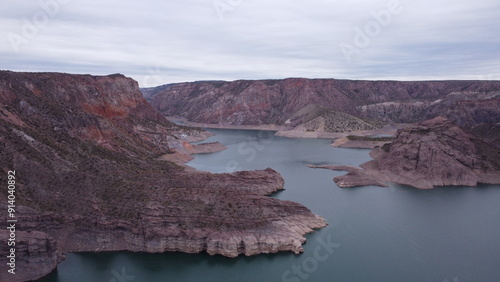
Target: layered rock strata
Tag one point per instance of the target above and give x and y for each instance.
(314, 103)
(433, 153)
(85, 150)
(36, 254)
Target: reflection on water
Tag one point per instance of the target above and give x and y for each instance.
(381, 234)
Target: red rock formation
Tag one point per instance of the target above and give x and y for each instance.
(466, 109)
(432, 153)
(276, 101)
(85, 150)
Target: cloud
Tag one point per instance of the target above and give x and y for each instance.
(160, 42)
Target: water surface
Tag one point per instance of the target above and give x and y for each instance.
(374, 234)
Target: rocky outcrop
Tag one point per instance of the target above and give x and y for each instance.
(466, 109)
(396, 111)
(85, 150)
(35, 251)
(295, 101)
(433, 153)
(488, 132)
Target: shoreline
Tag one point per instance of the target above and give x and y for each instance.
(190, 149)
(266, 127)
(389, 130)
(339, 139)
(288, 131)
(345, 142)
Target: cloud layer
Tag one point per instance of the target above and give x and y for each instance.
(158, 42)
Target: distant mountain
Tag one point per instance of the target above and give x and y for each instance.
(88, 179)
(283, 102)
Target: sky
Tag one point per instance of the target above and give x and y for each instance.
(158, 42)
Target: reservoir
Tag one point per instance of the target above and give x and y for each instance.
(374, 234)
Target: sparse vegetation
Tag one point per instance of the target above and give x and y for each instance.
(329, 120)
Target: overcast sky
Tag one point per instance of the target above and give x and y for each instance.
(158, 41)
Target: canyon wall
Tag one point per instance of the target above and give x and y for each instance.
(297, 101)
(88, 179)
(433, 153)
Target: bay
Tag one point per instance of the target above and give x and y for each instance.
(374, 234)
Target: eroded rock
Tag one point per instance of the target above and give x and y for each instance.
(85, 150)
(425, 155)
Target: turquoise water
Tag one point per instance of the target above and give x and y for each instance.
(374, 234)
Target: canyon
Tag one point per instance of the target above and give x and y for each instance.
(446, 132)
(87, 154)
(327, 105)
(100, 169)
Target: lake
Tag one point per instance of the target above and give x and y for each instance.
(374, 234)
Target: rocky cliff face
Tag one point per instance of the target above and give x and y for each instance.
(36, 255)
(489, 132)
(432, 153)
(466, 109)
(85, 150)
(282, 102)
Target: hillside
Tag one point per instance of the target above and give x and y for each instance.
(424, 155)
(318, 118)
(285, 102)
(85, 154)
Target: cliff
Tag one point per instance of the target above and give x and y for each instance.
(327, 104)
(489, 132)
(466, 109)
(433, 153)
(86, 154)
(36, 255)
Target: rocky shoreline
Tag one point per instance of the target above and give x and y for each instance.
(86, 151)
(264, 127)
(361, 142)
(389, 130)
(425, 155)
(290, 132)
